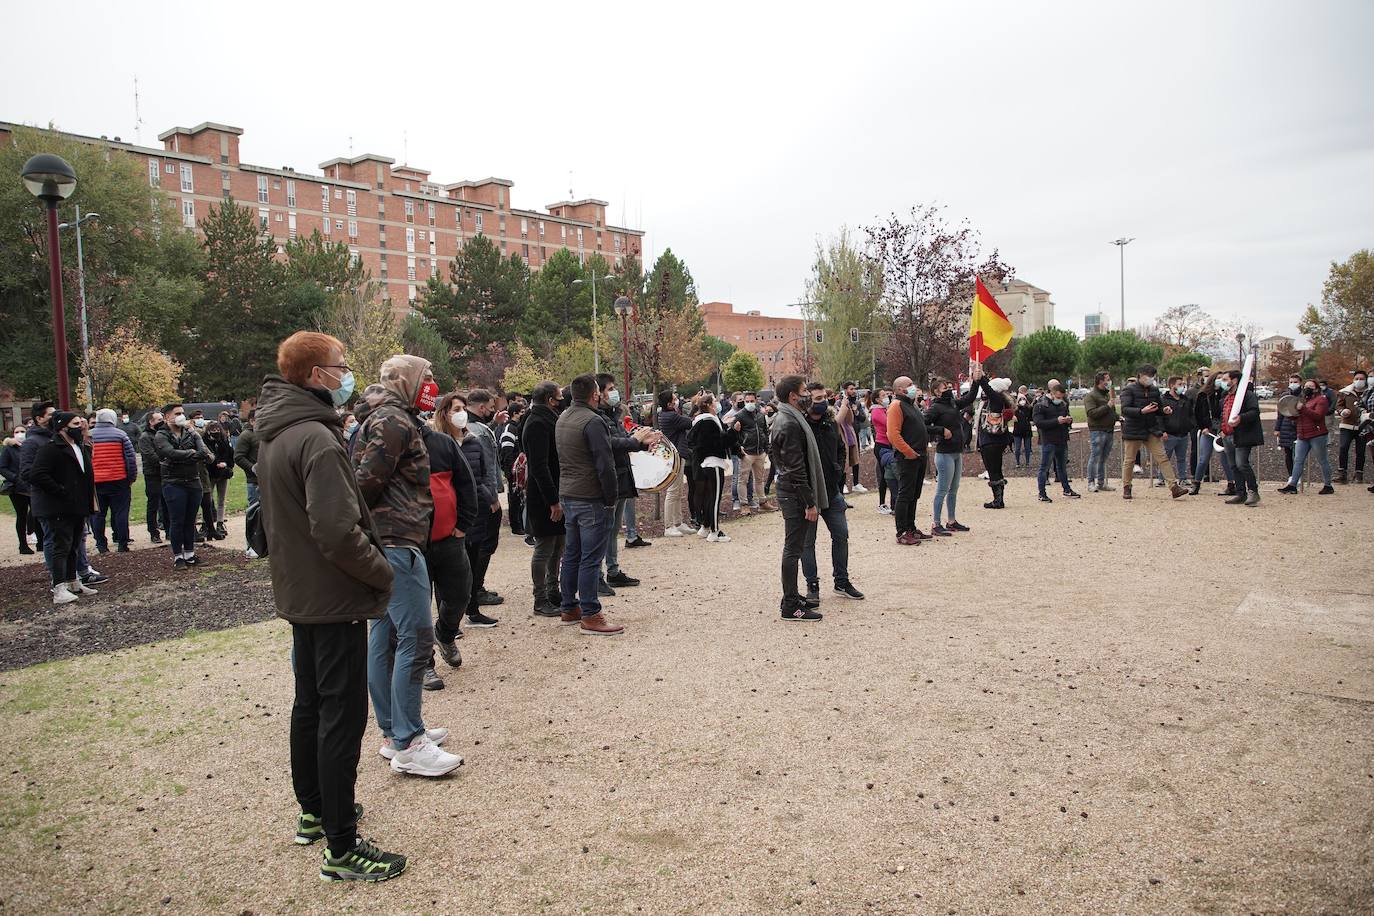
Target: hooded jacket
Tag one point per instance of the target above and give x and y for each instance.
(390, 461)
(112, 453)
(327, 562)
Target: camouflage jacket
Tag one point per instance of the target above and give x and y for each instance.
(392, 468)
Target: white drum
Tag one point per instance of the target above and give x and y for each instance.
(656, 468)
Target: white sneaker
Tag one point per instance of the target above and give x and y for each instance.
(884, 510)
(672, 532)
(33, 540)
(250, 554)
(1138, 470)
(734, 506)
(703, 531)
(90, 571)
(434, 735)
(859, 488)
(78, 588)
(425, 758)
(983, 476)
(1092, 487)
(60, 595)
(718, 537)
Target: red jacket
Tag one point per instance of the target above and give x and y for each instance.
(112, 454)
(1312, 418)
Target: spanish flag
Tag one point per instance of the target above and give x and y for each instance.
(988, 327)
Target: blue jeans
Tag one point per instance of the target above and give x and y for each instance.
(1176, 448)
(112, 498)
(613, 536)
(586, 524)
(948, 468)
(399, 646)
(1300, 452)
(1204, 458)
(1100, 449)
(1059, 454)
(838, 527)
(183, 501)
(1018, 443)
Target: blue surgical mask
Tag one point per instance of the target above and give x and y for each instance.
(1056, 401)
(751, 406)
(341, 394)
(1180, 390)
(613, 397)
(912, 391)
(1223, 384)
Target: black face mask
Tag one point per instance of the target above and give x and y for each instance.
(75, 434)
(819, 409)
(1311, 392)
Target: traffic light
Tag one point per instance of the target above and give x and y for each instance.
(820, 336)
(853, 335)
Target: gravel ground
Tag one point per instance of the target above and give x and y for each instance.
(1085, 707)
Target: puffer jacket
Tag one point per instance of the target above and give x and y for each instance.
(1135, 425)
(1311, 417)
(1287, 430)
(1047, 414)
(113, 454)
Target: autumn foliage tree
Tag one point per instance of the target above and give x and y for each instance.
(126, 371)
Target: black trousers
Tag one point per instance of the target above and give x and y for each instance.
(911, 474)
(1287, 460)
(693, 512)
(1349, 436)
(479, 553)
(709, 485)
(451, 572)
(516, 500)
(328, 720)
(548, 550)
(795, 528)
(23, 522)
(66, 532)
(992, 461)
(157, 506)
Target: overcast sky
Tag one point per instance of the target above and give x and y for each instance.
(1234, 140)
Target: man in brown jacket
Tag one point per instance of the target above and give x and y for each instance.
(329, 576)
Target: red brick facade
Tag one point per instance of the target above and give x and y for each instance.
(402, 226)
(779, 343)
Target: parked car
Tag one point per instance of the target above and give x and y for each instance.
(1264, 391)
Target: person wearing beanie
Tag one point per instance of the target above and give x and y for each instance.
(62, 489)
(116, 469)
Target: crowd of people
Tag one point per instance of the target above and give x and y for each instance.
(385, 506)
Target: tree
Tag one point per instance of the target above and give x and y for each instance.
(571, 358)
(1119, 352)
(487, 368)
(363, 321)
(1184, 364)
(418, 338)
(666, 347)
(481, 304)
(845, 292)
(1284, 360)
(557, 308)
(927, 268)
(1335, 362)
(328, 264)
(1187, 327)
(670, 286)
(1346, 315)
(742, 372)
(127, 371)
(1046, 354)
(524, 372)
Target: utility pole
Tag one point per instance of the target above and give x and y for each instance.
(1121, 244)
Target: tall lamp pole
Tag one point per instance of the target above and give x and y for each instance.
(1240, 350)
(52, 180)
(81, 289)
(1121, 244)
(622, 308)
(596, 341)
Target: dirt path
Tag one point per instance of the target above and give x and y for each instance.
(1076, 708)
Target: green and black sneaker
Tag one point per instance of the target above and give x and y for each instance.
(364, 862)
(310, 828)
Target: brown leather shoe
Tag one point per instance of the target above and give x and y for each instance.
(1126, 492)
(597, 625)
(907, 540)
(1176, 491)
(569, 618)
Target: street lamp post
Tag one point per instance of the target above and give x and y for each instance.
(596, 342)
(81, 289)
(1240, 350)
(52, 180)
(1121, 244)
(622, 308)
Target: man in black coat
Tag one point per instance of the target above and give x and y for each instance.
(543, 514)
(1051, 417)
(622, 443)
(62, 487)
(1143, 413)
(834, 453)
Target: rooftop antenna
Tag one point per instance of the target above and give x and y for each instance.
(138, 118)
(405, 146)
(570, 185)
(350, 146)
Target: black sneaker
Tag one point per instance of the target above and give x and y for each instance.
(489, 599)
(1072, 495)
(193, 560)
(546, 609)
(1044, 498)
(638, 542)
(1288, 488)
(122, 548)
(155, 539)
(847, 590)
(529, 540)
(940, 532)
(102, 548)
(813, 592)
(622, 580)
(481, 621)
(604, 590)
(432, 679)
(364, 862)
(94, 578)
(799, 612)
(310, 828)
(1326, 490)
(448, 651)
(179, 563)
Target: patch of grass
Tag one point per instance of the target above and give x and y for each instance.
(235, 500)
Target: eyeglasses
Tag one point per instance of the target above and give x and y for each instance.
(344, 366)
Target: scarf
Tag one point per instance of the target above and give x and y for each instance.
(813, 456)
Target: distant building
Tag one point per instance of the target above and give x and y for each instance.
(779, 343)
(1029, 307)
(1095, 323)
(1264, 348)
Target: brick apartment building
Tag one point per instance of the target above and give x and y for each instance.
(779, 343)
(401, 225)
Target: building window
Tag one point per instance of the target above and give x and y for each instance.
(262, 189)
(352, 203)
(478, 218)
(353, 258)
(541, 228)
(501, 198)
(410, 211)
(171, 169)
(337, 193)
(262, 218)
(326, 225)
(524, 228)
(290, 192)
(410, 240)
(563, 232)
(154, 176)
(353, 229)
(579, 236)
(186, 179)
(433, 265)
(598, 240)
(291, 225)
(527, 252)
(501, 225)
(411, 290)
(338, 224)
(431, 213)
(432, 250)
(188, 213)
(503, 246)
(324, 200)
(410, 268)
(617, 244)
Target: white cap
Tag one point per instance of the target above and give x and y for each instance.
(1000, 384)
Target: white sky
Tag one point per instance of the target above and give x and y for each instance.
(1235, 140)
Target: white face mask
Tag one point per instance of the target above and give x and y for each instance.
(751, 406)
(912, 391)
(1360, 384)
(180, 420)
(1146, 381)
(459, 418)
